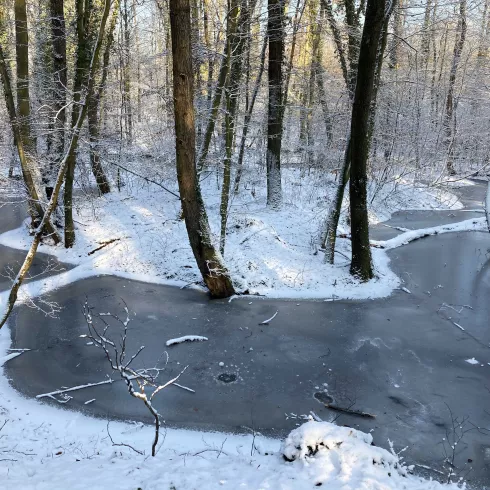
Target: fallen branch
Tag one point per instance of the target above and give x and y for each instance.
(350, 411)
(186, 338)
(266, 322)
(151, 181)
(184, 387)
(74, 388)
(122, 443)
(104, 244)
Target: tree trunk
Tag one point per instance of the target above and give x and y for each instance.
(275, 33)
(449, 126)
(318, 68)
(22, 62)
(289, 68)
(94, 110)
(58, 39)
(222, 78)
(375, 20)
(26, 158)
(208, 259)
(27, 163)
(329, 236)
(81, 68)
(248, 116)
(126, 92)
(237, 45)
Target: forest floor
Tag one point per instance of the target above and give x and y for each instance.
(418, 360)
(271, 253)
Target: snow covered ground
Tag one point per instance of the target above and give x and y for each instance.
(48, 448)
(272, 253)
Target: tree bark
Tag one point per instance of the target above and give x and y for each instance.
(81, 67)
(361, 264)
(22, 63)
(222, 78)
(27, 163)
(248, 116)
(93, 112)
(208, 259)
(449, 126)
(237, 45)
(57, 141)
(275, 33)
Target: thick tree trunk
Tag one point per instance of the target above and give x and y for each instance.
(81, 68)
(449, 128)
(22, 63)
(94, 110)
(208, 259)
(57, 141)
(237, 45)
(375, 21)
(275, 33)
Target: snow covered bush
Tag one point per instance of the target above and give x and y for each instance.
(342, 457)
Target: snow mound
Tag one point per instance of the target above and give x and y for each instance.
(340, 453)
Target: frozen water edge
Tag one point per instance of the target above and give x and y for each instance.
(275, 262)
(44, 447)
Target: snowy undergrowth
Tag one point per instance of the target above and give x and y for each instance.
(48, 448)
(273, 253)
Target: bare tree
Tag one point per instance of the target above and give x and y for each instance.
(377, 13)
(24, 269)
(275, 33)
(142, 384)
(208, 259)
(449, 122)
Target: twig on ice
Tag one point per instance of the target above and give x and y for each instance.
(74, 388)
(10, 356)
(184, 387)
(266, 322)
(350, 411)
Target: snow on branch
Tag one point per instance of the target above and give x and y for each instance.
(142, 384)
(185, 338)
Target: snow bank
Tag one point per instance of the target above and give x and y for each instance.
(473, 224)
